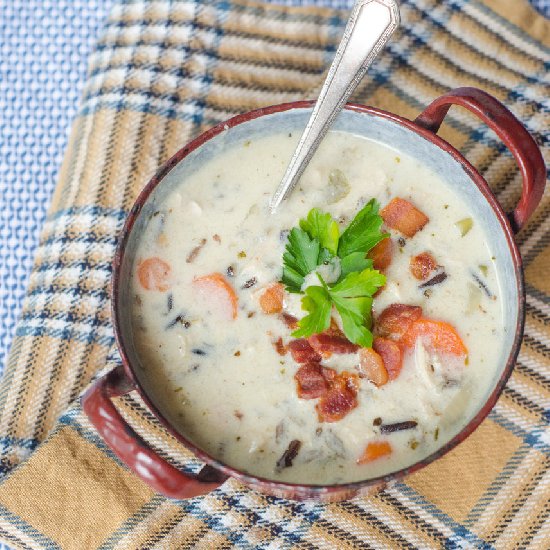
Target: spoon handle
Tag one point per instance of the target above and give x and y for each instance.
(370, 26)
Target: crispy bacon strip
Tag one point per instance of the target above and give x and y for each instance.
(326, 344)
(396, 320)
(340, 399)
(381, 254)
(422, 266)
(271, 301)
(312, 380)
(402, 215)
(302, 352)
(289, 320)
(391, 356)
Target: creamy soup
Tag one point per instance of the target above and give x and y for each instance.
(222, 365)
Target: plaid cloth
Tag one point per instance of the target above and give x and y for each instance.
(162, 73)
(35, 121)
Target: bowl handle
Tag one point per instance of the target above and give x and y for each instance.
(132, 450)
(510, 130)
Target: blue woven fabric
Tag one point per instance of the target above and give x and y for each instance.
(44, 46)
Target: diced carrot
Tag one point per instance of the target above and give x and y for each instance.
(402, 215)
(396, 320)
(154, 274)
(391, 356)
(440, 336)
(381, 254)
(271, 301)
(422, 265)
(375, 450)
(372, 367)
(215, 287)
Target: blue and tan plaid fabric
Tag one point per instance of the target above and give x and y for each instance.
(162, 73)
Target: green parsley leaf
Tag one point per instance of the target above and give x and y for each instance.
(364, 283)
(356, 261)
(320, 225)
(300, 258)
(356, 332)
(363, 232)
(317, 241)
(352, 298)
(317, 302)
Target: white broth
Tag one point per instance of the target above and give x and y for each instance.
(216, 373)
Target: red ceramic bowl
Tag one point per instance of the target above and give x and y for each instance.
(416, 138)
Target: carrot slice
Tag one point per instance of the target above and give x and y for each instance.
(372, 367)
(215, 287)
(153, 274)
(381, 254)
(402, 215)
(271, 301)
(391, 356)
(396, 319)
(375, 450)
(422, 265)
(440, 336)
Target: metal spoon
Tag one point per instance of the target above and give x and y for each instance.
(369, 28)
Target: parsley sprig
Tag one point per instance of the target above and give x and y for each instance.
(317, 241)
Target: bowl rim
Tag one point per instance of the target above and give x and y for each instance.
(314, 489)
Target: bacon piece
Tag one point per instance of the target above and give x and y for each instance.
(422, 266)
(289, 320)
(312, 380)
(329, 374)
(381, 254)
(302, 352)
(375, 450)
(271, 301)
(327, 344)
(438, 336)
(396, 320)
(391, 356)
(402, 215)
(280, 348)
(372, 367)
(339, 400)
